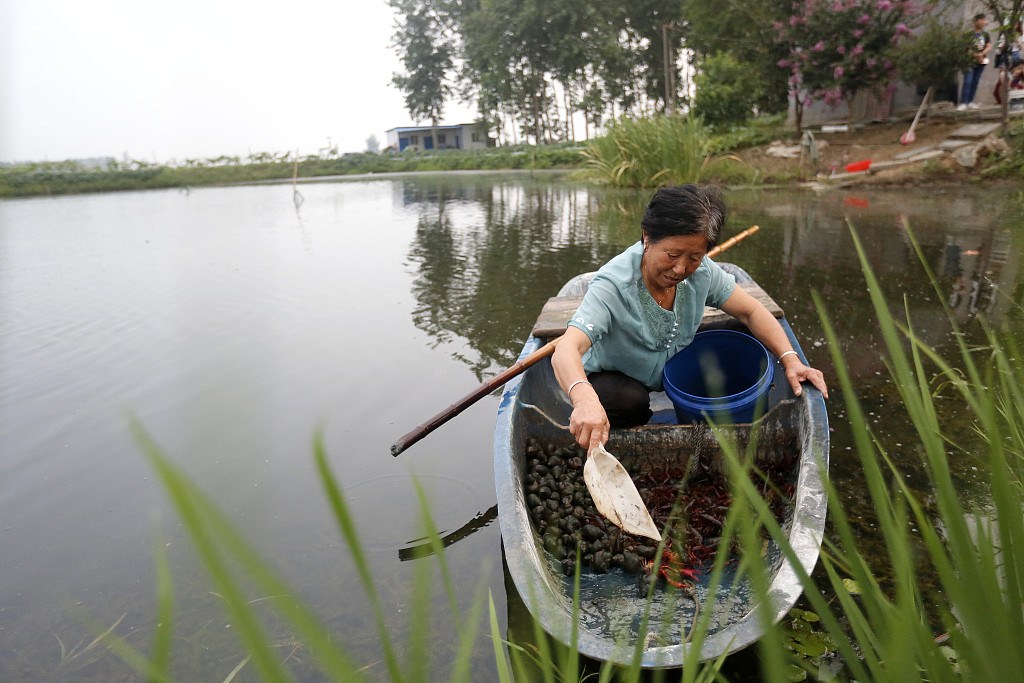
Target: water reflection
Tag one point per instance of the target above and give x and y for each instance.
(487, 255)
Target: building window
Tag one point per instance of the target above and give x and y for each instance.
(476, 137)
(440, 138)
(414, 139)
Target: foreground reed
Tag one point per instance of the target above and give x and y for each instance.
(871, 630)
(883, 632)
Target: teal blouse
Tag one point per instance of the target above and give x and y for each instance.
(629, 331)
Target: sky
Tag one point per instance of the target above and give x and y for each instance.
(196, 79)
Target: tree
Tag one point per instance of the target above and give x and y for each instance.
(744, 30)
(423, 41)
(726, 89)
(839, 47)
(372, 145)
(538, 63)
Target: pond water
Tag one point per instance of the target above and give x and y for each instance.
(234, 327)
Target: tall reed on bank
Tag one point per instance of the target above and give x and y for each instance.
(877, 631)
(660, 150)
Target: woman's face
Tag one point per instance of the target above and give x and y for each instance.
(671, 260)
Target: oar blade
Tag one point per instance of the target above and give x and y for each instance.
(615, 495)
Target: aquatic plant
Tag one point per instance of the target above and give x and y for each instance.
(660, 150)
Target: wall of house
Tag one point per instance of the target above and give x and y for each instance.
(461, 137)
(476, 137)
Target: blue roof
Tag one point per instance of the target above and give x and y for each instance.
(409, 129)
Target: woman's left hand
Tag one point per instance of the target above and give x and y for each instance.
(797, 372)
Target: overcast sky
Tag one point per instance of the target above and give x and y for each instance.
(195, 78)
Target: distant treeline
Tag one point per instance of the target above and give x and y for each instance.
(67, 177)
(544, 72)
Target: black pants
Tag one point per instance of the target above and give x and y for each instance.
(626, 400)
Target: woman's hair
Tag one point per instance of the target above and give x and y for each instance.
(684, 210)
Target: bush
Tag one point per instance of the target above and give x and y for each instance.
(726, 89)
(935, 56)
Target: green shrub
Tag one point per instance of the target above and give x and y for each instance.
(935, 56)
(1011, 165)
(726, 90)
(756, 131)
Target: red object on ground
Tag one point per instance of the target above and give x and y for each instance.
(859, 202)
(862, 165)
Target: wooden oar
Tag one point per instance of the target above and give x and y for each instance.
(519, 368)
(487, 387)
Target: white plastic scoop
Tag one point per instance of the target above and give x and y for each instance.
(615, 495)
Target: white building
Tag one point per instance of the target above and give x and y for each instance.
(460, 136)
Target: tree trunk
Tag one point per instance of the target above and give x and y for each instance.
(1004, 80)
(665, 52)
(798, 112)
(537, 138)
(570, 125)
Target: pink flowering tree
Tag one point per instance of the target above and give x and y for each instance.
(839, 47)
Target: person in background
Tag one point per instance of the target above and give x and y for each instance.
(1008, 57)
(645, 305)
(980, 48)
(1017, 77)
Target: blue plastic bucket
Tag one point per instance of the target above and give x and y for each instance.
(722, 376)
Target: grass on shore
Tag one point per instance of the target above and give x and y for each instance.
(61, 178)
(673, 143)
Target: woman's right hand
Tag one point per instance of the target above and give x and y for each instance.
(588, 422)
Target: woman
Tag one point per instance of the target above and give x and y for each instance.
(645, 305)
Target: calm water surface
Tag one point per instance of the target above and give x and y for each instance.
(235, 327)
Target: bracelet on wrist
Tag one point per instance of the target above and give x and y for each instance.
(784, 354)
(573, 385)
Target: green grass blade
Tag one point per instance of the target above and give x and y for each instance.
(213, 533)
(162, 638)
(468, 637)
(437, 549)
(192, 513)
(348, 530)
(504, 671)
